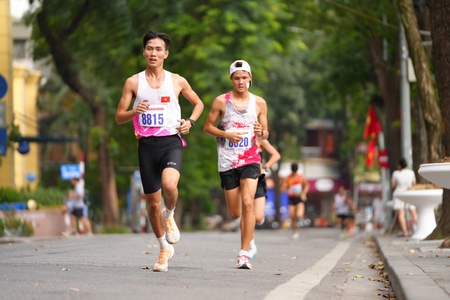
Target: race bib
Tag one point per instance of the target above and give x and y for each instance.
(155, 116)
(295, 189)
(244, 143)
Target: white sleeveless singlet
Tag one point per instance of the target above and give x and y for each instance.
(232, 156)
(164, 112)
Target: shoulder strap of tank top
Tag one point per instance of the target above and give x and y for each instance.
(228, 97)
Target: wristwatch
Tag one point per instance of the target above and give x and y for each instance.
(265, 168)
(192, 122)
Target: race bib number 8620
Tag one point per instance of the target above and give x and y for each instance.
(244, 143)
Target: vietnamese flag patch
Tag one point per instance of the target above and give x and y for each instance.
(165, 99)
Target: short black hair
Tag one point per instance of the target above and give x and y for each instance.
(402, 163)
(294, 167)
(153, 34)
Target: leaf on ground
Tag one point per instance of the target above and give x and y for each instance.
(359, 276)
(412, 250)
(295, 257)
(145, 252)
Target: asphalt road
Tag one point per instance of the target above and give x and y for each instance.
(318, 265)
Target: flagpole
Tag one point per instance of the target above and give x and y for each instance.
(385, 184)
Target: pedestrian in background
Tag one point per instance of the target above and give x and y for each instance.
(403, 179)
(242, 118)
(261, 190)
(158, 125)
(67, 212)
(297, 188)
(344, 209)
(378, 213)
(78, 211)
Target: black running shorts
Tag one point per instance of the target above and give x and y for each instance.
(261, 189)
(295, 200)
(231, 178)
(155, 154)
(77, 212)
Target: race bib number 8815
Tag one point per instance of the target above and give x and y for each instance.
(155, 116)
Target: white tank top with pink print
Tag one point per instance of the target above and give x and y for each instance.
(235, 155)
(161, 119)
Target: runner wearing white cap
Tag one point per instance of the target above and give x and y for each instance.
(242, 119)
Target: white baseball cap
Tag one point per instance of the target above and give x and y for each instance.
(240, 65)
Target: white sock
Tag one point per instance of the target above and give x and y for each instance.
(262, 222)
(163, 242)
(252, 244)
(168, 213)
(243, 252)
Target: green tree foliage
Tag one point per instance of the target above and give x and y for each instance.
(105, 46)
(310, 59)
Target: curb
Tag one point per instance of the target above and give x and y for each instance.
(408, 281)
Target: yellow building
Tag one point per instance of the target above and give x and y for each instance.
(19, 102)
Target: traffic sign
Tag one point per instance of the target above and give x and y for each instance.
(70, 171)
(3, 86)
(3, 141)
(383, 160)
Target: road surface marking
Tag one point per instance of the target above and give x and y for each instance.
(301, 284)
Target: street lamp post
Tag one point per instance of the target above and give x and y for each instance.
(405, 100)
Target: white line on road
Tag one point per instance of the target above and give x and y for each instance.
(301, 284)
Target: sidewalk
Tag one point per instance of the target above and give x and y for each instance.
(417, 269)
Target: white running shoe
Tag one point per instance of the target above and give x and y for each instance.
(165, 255)
(243, 262)
(171, 229)
(295, 236)
(252, 251)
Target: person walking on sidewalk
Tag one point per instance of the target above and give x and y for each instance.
(378, 213)
(297, 188)
(343, 209)
(242, 119)
(261, 190)
(403, 179)
(158, 125)
(76, 205)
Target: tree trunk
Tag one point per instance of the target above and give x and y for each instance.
(430, 108)
(110, 201)
(440, 31)
(419, 138)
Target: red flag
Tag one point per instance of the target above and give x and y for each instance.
(373, 126)
(370, 152)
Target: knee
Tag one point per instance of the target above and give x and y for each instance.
(170, 187)
(153, 207)
(247, 205)
(259, 218)
(235, 214)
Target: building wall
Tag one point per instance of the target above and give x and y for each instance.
(7, 162)
(21, 109)
(25, 92)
